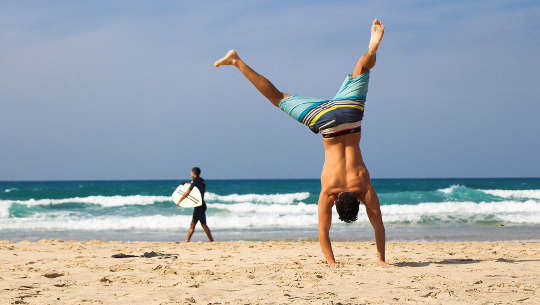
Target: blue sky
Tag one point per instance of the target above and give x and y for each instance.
(127, 90)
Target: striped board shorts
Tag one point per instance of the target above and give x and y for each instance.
(344, 111)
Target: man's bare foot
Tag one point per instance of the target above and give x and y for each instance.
(377, 32)
(229, 59)
(383, 264)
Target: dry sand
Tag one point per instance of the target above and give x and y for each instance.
(57, 272)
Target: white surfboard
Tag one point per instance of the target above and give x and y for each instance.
(194, 199)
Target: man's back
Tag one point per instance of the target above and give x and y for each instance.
(344, 169)
(200, 184)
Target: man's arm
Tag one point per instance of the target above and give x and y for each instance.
(325, 221)
(373, 211)
(185, 195)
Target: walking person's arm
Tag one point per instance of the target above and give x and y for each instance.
(184, 196)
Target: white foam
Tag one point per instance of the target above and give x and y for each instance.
(10, 190)
(106, 201)
(276, 209)
(451, 188)
(261, 198)
(112, 201)
(250, 215)
(513, 211)
(522, 194)
(155, 222)
(4, 209)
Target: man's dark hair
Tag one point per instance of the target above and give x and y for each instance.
(196, 171)
(347, 207)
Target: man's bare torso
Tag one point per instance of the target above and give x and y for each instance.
(344, 169)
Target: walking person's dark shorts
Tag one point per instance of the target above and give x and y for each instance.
(199, 214)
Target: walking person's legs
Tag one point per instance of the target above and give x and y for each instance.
(202, 219)
(207, 231)
(190, 231)
(199, 215)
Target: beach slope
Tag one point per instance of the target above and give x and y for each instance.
(273, 272)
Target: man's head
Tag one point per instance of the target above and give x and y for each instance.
(195, 172)
(347, 207)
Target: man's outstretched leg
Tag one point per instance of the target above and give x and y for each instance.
(260, 82)
(366, 62)
(370, 198)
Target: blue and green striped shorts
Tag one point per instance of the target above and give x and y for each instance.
(344, 111)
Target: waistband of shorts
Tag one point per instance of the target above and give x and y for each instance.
(342, 132)
(340, 127)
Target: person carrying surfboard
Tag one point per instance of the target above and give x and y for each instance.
(345, 180)
(199, 212)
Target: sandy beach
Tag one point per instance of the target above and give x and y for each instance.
(73, 272)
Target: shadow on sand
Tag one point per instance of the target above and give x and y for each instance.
(513, 261)
(461, 261)
(146, 254)
(453, 261)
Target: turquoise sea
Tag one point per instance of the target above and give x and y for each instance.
(413, 209)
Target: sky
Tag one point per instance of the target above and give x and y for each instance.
(127, 89)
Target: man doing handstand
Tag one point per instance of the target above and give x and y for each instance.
(344, 180)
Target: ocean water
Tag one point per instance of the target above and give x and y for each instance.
(413, 209)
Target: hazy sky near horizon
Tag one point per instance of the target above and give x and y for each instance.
(127, 90)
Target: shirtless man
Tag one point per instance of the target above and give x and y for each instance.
(344, 180)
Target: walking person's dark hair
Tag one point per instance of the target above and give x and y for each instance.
(347, 207)
(196, 171)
